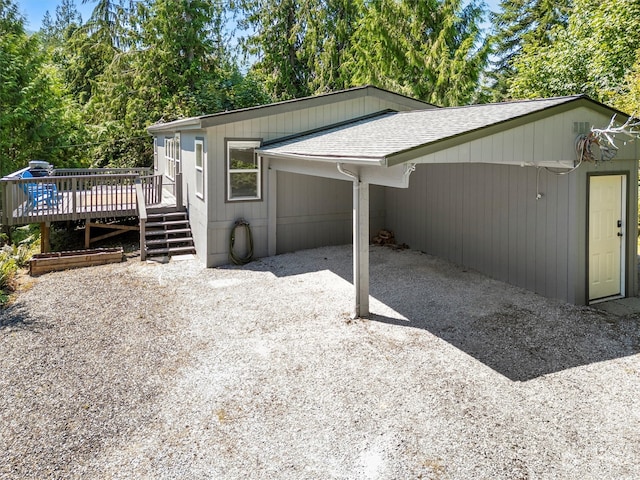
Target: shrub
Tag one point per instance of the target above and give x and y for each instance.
(13, 257)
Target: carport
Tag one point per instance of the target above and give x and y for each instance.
(538, 137)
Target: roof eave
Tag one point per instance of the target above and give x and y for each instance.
(183, 124)
(370, 161)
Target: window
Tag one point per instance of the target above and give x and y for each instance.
(172, 156)
(200, 161)
(155, 153)
(176, 154)
(170, 168)
(243, 171)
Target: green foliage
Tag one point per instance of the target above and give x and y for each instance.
(54, 33)
(521, 25)
(431, 50)
(16, 256)
(176, 65)
(594, 54)
(278, 44)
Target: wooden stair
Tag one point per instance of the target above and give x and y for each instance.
(169, 234)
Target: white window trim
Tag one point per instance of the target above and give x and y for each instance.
(200, 186)
(258, 171)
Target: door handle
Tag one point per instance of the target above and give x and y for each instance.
(620, 234)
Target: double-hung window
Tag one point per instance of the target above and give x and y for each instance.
(244, 173)
(200, 161)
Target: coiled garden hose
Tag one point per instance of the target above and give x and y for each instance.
(238, 260)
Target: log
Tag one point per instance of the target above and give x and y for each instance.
(49, 262)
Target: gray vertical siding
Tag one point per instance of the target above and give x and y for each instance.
(487, 217)
(314, 212)
(308, 224)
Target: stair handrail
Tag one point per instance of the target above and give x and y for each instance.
(142, 214)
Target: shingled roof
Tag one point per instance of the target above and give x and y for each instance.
(385, 138)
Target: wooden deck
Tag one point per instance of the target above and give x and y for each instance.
(82, 194)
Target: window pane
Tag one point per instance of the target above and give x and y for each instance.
(244, 185)
(199, 155)
(242, 158)
(199, 182)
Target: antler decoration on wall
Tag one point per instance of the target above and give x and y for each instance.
(604, 140)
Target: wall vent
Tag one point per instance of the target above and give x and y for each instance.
(581, 128)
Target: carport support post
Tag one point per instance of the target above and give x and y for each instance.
(361, 247)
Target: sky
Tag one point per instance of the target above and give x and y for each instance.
(34, 10)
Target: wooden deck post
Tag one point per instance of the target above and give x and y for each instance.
(142, 215)
(87, 233)
(178, 180)
(45, 239)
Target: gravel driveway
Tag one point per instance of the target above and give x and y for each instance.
(148, 370)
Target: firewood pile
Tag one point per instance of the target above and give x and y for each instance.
(386, 238)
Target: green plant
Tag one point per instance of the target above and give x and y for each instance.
(15, 256)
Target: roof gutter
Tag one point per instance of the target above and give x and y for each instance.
(347, 173)
(176, 124)
(371, 161)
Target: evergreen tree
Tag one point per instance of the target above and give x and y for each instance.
(594, 54)
(432, 50)
(521, 24)
(178, 66)
(109, 22)
(278, 44)
(36, 119)
(331, 30)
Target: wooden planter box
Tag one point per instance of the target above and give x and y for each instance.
(49, 262)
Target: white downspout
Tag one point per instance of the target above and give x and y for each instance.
(360, 242)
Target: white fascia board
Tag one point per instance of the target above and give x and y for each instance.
(185, 124)
(376, 162)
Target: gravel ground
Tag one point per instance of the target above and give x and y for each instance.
(148, 370)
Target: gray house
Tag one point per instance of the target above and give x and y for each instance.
(498, 188)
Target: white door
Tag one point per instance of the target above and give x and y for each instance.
(606, 236)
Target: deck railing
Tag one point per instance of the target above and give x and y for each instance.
(74, 172)
(64, 196)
